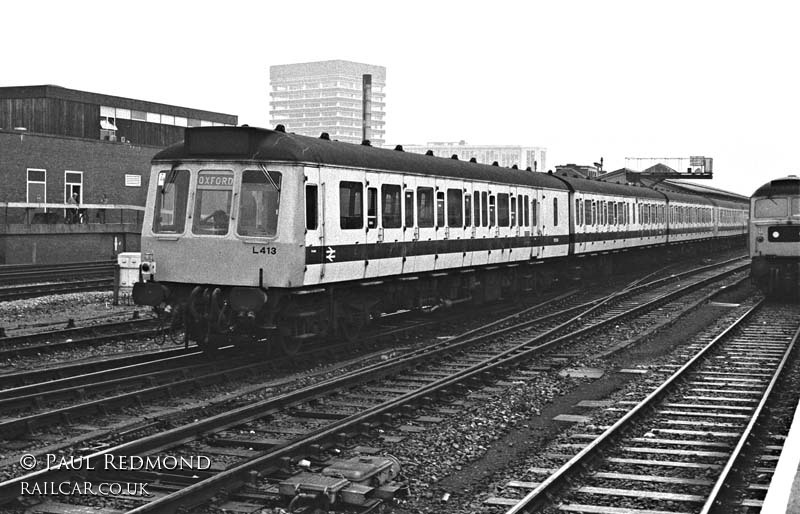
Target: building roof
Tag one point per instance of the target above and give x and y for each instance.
(318, 68)
(61, 93)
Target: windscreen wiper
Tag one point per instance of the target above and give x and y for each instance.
(269, 177)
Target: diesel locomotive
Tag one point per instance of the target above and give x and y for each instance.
(774, 240)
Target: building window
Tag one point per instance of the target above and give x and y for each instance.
(73, 186)
(138, 115)
(37, 186)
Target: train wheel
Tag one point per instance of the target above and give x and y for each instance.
(351, 324)
(289, 345)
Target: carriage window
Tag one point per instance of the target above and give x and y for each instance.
(351, 205)
(502, 210)
(372, 207)
(520, 210)
(425, 207)
(171, 196)
(484, 209)
(212, 206)
(578, 217)
(454, 215)
(492, 210)
(311, 207)
(477, 208)
(771, 207)
(513, 212)
(467, 210)
(555, 212)
(588, 211)
(259, 202)
(390, 207)
(794, 207)
(527, 211)
(534, 213)
(440, 209)
(409, 219)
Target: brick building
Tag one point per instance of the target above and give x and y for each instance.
(56, 142)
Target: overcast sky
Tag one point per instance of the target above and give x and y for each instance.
(585, 79)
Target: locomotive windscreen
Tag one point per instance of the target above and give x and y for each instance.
(217, 141)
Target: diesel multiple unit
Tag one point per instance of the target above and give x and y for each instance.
(259, 234)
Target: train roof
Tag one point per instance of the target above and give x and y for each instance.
(258, 144)
(610, 188)
(688, 198)
(782, 186)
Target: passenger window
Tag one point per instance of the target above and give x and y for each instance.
(409, 219)
(513, 212)
(477, 208)
(520, 210)
(440, 209)
(390, 207)
(351, 205)
(555, 212)
(212, 207)
(311, 207)
(467, 210)
(492, 210)
(425, 207)
(534, 213)
(527, 211)
(484, 209)
(454, 214)
(170, 210)
(502, 210)
(372, 207)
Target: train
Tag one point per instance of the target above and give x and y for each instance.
(774, 237)
(263, 236)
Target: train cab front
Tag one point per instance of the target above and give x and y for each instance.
(218, 244)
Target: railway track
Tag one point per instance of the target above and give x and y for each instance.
(27, 273)
(77, 337)
(673, 452)
(9, 293)
(320, 413)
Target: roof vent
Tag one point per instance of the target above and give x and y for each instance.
(325, 136)
(528, 169)
(495, 163)
(399, 148)
(366, 143)
(514, 167)
(280, 128)
(549, 172)
(429, 152)
(245, 125)
(473, 159)
(454, 156)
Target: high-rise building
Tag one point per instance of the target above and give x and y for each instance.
(325, 96)
(504, 155)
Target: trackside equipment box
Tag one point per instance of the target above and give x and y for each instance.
(128, 269)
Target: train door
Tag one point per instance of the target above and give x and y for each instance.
(410, 231)
(314, 197)
(345, 224)
(535, 200)
(426, 244)
(469, 223)
(449, 224)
